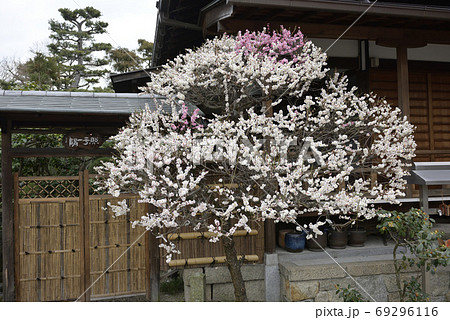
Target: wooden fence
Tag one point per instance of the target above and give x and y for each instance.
(66, 242)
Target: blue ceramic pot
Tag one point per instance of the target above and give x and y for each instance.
(295, 241)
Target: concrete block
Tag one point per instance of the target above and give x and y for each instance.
(440, 283)
(295, 272)
(187, 273)
(222, 275)
(197, 287)
(374, 286)
(271, 259)
(272, 283)
(447, 296)
(390, 283)
(302, 290)
(225, 291)
(356, 269)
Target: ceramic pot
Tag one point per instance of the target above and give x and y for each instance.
(317, 243)
(281, 236)
(357, 238)
(337, 239)
(295, 241)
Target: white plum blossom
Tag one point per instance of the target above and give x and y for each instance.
(314, 154)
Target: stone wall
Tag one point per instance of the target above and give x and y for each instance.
(214, 283)
(317, 282)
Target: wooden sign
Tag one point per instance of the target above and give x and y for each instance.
(82, 140)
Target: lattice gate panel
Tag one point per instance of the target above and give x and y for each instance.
(48, 240)
(109, 239)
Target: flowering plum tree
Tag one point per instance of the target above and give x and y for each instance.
(245, 165)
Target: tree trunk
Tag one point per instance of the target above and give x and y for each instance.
(234, 266)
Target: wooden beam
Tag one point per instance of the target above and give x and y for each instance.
(102, 131)
(7, 215)
(59, 152)
(403, 80)
(383, 9)
(386, 35)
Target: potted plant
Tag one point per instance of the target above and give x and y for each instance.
(357, 236)
(282, 235)
(337, 236)
(295, 241)
(317, 242)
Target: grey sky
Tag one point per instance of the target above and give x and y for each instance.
(24, 23)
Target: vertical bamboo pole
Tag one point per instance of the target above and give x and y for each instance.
(16, 237)
(7, 215)
(81, 235)
(85, 276)
(86, 241)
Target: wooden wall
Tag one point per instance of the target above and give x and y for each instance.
(429, 108)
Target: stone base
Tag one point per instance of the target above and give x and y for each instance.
(377, 279)
(218, 285)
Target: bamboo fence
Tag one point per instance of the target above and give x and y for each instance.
(67, 241)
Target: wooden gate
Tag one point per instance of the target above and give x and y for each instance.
(65, 241)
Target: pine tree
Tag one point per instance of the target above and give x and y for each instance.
(74, 46)
(124, 60)
(43, 71)
(145, 49)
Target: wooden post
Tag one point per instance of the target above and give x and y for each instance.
(430, 114)
(403, 80)
(269, 225)
(7, 215)
(152, 264)
(403, 90)
(85, 255)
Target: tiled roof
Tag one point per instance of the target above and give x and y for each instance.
(78, 102)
